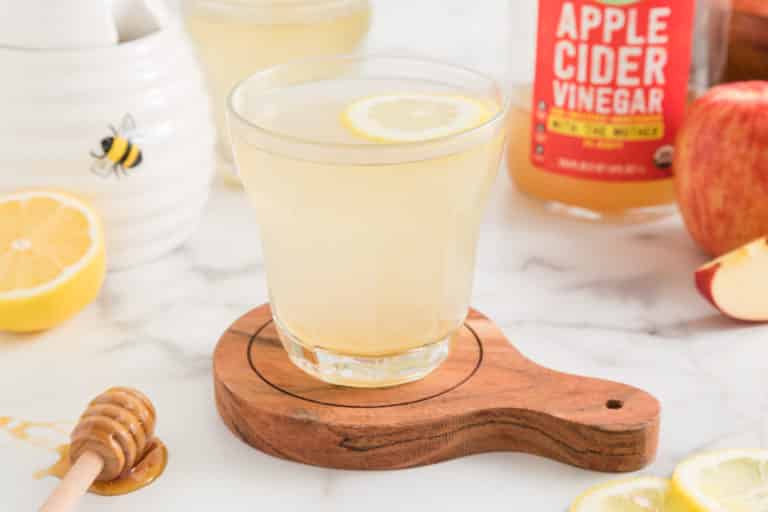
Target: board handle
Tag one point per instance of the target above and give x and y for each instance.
(590, 423)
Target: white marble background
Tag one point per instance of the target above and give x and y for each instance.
(610, 301)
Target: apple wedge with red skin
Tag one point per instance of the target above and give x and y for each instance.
(737, 282)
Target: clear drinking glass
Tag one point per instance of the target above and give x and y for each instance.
(236, 38)
(369, 246)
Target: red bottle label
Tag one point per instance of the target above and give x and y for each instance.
(611, 87)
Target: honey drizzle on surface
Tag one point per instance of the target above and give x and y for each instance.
(144, 472)
(21, 430)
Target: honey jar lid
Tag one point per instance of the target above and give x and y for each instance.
(46, 25)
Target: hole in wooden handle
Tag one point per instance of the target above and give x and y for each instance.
(614, 404)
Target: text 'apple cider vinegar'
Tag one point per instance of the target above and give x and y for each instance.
(594, 134)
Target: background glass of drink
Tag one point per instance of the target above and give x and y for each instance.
(236, 38)
(369, 247)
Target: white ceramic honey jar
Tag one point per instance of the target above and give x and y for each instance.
(127, 126)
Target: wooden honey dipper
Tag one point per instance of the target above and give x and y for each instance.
(112, 435)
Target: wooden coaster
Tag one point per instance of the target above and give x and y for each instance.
(485, 397)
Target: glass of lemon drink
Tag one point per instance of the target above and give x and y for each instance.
(369, 176)
(236, 38)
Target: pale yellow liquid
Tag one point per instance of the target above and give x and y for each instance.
(368, 258)
(605, 198)
(236, 39)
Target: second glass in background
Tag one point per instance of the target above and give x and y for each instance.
(236, 38)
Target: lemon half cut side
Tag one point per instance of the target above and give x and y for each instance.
(642, 494)
(52, 258)
(722, 481)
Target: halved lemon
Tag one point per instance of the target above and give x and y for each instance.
(643, 494)
(723, 481)
(52, 261)
(414, 117)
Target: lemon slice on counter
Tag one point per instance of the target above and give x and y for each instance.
(52, 261)
(643, 494)
(413, 117)
(724, 481)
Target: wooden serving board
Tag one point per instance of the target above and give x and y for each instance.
(485, 397)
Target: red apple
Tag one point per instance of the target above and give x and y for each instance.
(721, 166)
(736, 283)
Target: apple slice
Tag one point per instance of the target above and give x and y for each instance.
(736, 283)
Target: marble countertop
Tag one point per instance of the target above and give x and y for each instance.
(610, 301)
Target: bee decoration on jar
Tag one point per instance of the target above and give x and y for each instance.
(119, 153)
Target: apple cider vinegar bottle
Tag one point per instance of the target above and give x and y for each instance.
(593, 121)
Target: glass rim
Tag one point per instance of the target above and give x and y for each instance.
(364, 146)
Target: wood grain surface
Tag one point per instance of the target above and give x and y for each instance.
(485, 397)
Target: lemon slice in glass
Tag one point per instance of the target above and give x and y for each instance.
(52, 261)
(643, 494)
(723, 481)
(413, 117)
